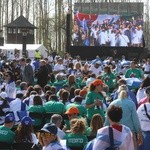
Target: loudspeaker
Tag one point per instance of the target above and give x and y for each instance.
(68, 33)
(1, 41)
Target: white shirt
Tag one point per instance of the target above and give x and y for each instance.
(140, 94)
(123, 40)
(53, 146)
(146, 67)
(135, 38)
(144, 121)
(112, 39)
(89, 80)
(15, 106)
(96, 71)
(50, 58)
(34, 139)
(58, 67)
(60, 133)
(29, 99)
(10, 89)
(122, 139)
(102, 38)
(140, 35)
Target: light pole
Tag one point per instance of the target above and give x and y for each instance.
(24, 42)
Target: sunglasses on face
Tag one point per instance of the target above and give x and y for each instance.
(46, 134)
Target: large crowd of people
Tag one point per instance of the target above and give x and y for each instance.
(64, 103)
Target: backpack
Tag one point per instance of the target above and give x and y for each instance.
(111, 147)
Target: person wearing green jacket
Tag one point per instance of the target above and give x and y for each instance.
(6, 134)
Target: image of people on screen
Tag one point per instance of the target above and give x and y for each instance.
(107, 30)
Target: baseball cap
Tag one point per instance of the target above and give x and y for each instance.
(27, 121)
(50, 128)
(9, 118)
(72, 110)
(97, 82)
(147, 91)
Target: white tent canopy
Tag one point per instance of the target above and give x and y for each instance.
(10, 48)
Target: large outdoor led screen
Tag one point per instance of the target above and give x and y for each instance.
(108, 24)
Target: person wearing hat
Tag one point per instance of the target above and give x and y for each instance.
(77, 103)
(96, 68)
(59, 67)
(94, 99)
(71, 113)
(48, 137)
(6, 134)
(25, 133)
(144, 116)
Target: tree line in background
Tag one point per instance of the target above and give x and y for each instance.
(49, 16)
